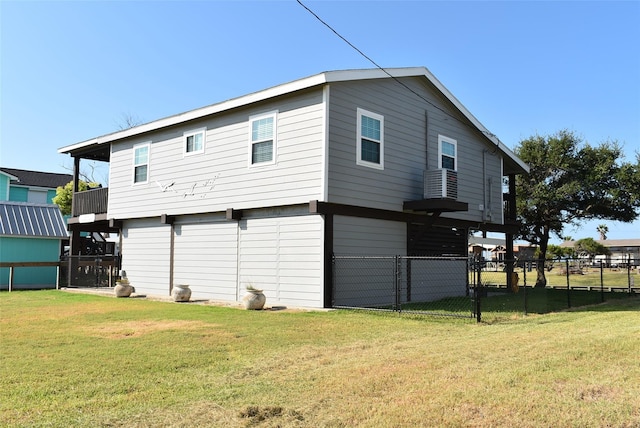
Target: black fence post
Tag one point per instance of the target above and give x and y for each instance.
(601, 282)
(629, 278)
(478, 293)
(524, 288)
(568, 287)
(396, 282)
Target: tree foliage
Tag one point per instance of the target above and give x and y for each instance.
(571, 181)
(589, 247)
(64, 195)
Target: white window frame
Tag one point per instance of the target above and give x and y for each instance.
(193, 133)
(445, 139)
(135, 165)
(274, 138)
(359, 160)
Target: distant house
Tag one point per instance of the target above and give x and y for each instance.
(622, 250)
(32, 229)
(267, 188)
(21, 185)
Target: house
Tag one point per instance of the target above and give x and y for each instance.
(264, 189)
(32, 229)
(21, 185)
(623, 251)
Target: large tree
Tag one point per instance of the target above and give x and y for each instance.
(570, 182)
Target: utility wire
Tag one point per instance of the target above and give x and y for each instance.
(386, 72)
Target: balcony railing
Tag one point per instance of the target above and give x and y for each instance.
(92, 201)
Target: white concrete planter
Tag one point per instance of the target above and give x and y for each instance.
(123, 288)
(254, 299)
(181, 293)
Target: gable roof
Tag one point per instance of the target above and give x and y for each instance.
(22, 219)
(25, 177)
(512, 162)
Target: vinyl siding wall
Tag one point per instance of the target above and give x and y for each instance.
(206, 256)
(146, 254)
(369, 280)
(221, 177)
(283, 256)
(406, 153)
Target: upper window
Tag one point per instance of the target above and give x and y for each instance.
(262, 139)
(447, 153)
(141, 163)
(370, 143)
(194, 141)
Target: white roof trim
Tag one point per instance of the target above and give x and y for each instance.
(296, 85)
(11, 177)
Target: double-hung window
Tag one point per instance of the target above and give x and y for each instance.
(262, 138)
(141, 163)
(447, 153)
(370, 142)
(193, 141)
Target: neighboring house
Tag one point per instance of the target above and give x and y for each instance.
(31, 228)
(30, 186)
(266, 188)
(520, 252)
(623, 251)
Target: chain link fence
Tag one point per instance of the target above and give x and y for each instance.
(484, 290)
(511, 287)
(428, 285)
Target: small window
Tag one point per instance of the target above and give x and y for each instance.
(194, 141)
(262, 139)
(370, 143)
(141, 163)
(447, 153)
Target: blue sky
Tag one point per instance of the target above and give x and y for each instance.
(71, 70)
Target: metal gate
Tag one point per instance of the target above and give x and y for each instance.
(427, 285)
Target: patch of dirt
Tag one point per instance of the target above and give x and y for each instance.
(128, 329)
(257, 415)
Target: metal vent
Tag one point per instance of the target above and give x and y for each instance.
(440, 183)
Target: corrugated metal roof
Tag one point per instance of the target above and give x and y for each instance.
(31, 220)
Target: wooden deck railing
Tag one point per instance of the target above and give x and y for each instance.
(92, 201)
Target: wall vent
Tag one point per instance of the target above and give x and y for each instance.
(440, 183)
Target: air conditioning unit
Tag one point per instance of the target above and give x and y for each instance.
(440, 183)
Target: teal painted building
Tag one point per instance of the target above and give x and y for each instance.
(32, 229)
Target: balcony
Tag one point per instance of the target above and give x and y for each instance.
(92, 201)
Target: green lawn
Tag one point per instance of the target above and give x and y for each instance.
(76, 360)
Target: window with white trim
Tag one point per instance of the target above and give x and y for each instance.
(262, 138)
(141, 163)
(447, 153)
(193, 141)
(370, 142)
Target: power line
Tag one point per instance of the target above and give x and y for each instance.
(386, 72)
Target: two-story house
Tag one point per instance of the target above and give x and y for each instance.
(32, 229)
(265, 188)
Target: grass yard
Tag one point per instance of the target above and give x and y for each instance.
(77, 360)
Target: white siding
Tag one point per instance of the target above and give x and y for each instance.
(206, 258)
(220, 178)
(145, 255)
(283, 256)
